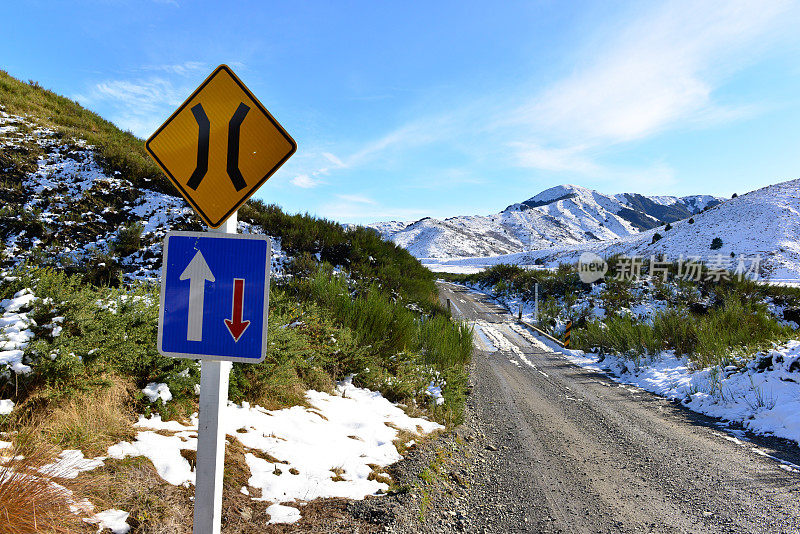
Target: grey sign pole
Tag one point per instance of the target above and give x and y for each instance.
(210, 465)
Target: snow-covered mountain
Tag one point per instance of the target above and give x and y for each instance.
(763, 224)
(565, 214)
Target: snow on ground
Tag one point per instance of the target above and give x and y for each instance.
(68, 177)
(155, 391)
(6, 406)
(70, 464)
(114, 520)
(15, 332)
(763, 396)
(296, 454)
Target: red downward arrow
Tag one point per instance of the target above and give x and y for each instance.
(235, 325)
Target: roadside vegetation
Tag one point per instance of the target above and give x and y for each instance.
(718, 320)
(346, 303)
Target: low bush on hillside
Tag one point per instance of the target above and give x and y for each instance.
(713, 320)
(359, 250)
(722, 335)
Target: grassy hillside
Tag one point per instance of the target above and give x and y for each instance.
(84, 213)
(117, 150)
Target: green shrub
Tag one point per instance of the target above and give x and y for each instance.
(129, 239)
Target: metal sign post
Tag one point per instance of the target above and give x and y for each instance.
(210, 466)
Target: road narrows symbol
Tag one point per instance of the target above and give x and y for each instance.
(236, 326)
(203, 140)
(197, 272)
(233, 146)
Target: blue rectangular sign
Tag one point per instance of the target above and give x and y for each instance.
(214, 296)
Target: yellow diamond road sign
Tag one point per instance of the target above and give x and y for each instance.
(220, 146)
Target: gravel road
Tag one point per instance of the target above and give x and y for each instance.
(549, 447)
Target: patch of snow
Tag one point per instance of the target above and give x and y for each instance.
(155, 391)
(279, 513)
(15, 332)
(70, 464)
(6, 405)
(112, 519)
(338, 436)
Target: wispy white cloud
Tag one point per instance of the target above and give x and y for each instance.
(356, 199)
(181, 69)
(572, 159)
(659, 68)
(662, 68)
(141, 102)
(414, 134)
(659, 72)
(333, 159)
(305, 181)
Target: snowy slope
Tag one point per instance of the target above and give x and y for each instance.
(763, 223)
(565, 214)
(65, 211)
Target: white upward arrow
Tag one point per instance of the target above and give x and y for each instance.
(197, 272)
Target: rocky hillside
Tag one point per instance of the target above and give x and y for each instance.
(565, 214)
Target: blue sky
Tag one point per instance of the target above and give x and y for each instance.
(409, 109)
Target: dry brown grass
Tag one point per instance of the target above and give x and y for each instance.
(31, 502)
(90, 421)
(133, 485)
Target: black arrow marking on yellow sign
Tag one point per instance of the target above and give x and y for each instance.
(202, 146)
(203, 140)
(233, 147)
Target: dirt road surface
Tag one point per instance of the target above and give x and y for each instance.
(549, 447)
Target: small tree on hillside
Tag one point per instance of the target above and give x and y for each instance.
(656, 237)
(716, 243)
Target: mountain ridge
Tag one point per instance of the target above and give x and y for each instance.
(563, 214)
(756, 228)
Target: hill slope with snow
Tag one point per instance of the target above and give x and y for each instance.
(764, 223)
(565, 214)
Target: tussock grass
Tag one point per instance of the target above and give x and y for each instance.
(384, 328)
(91, 421)
(32, 502)
(133, 485)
